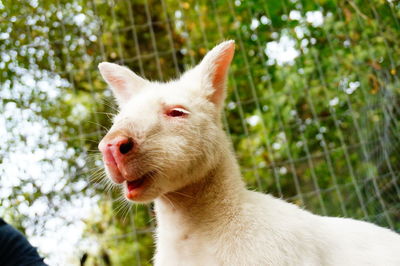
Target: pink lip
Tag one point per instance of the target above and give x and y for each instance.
(113, 165)
(135, 188)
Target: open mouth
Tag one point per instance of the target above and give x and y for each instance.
(132, 185)
(136, 187)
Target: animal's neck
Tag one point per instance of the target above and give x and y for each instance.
(202, 202)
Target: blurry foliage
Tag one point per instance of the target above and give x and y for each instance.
(318, 126)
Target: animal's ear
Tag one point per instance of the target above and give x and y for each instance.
(214, 71)
(123, 82)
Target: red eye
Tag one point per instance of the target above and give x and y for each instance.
(177, 112)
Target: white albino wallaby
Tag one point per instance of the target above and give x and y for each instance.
(167, 144)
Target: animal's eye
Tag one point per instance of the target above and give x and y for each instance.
(177, 112)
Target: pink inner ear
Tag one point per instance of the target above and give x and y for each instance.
(117, 82)
(220, 72)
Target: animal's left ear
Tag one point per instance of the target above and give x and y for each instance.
(214, 71)
(123, 82)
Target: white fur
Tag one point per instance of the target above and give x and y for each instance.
(205, 215)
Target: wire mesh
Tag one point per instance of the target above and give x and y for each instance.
(317, 125)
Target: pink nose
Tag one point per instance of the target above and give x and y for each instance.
(122, 145)
(114, 152)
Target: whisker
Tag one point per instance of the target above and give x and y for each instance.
(180, 193)
(110, 105)
(172, 204)
(97, 124)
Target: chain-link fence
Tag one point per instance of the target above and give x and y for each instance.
(312, 108)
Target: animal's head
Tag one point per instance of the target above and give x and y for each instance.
(166, 135)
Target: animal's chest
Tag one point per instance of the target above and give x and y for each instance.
(185, 249)
(214, 246)
(235, 246)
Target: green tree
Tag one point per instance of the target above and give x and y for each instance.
(312, 110)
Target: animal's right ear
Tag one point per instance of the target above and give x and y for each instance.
(123, 82)
(214, 71)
